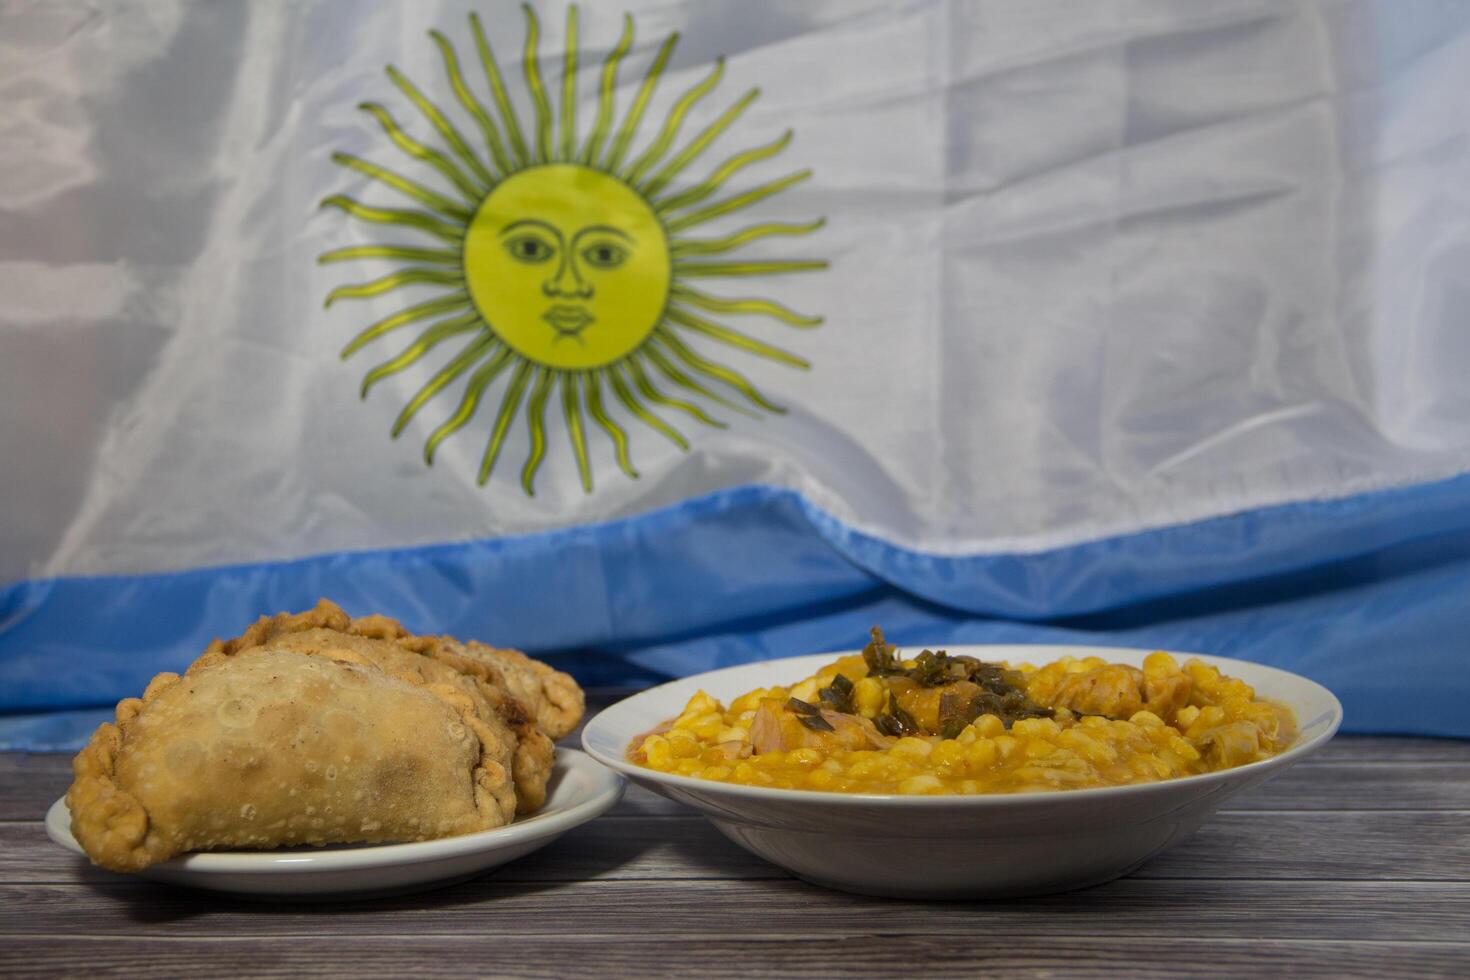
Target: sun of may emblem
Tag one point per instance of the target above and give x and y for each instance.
(565, 261)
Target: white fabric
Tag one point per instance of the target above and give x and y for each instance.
(1095, 267)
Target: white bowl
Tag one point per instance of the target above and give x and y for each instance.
(954, 846)
(579, 790)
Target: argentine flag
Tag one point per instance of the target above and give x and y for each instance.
(653, 337)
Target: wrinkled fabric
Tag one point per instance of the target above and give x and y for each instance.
(1123, 298)
(1378, 612)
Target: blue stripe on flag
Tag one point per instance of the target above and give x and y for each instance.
(1366, 594)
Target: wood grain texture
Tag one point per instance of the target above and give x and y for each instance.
(868, 953)
(1354, 863)
(1139, 908)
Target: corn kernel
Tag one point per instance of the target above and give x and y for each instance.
(923, 783)
(912, 748)
(1160, 663)
(869, 695)
(946, 753)
(806, 690)
(989, 726)
(1042, 727)
(656, 749)
(982, 754)
(1038, 748)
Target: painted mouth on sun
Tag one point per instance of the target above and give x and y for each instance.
(568, 320)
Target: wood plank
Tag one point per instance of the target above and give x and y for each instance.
(1363, 786)
(1346, 845)
(862, 954)
(29, 784)
(1396, 912)
(1342, 846)
(1390, 748)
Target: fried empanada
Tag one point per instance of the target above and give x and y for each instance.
(277, 749)
(328, 630)
(530, 752)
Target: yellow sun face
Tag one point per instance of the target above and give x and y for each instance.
(563, 264)
(568, 266)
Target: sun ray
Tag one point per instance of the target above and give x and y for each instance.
(756, 307)
(719, 372)
(673, 122)
(469, 404)
(403, 185)
(640, 103)
(632, 404)
(717, 246)
(437, 256)
(734, 338)
(428, 340)
(447, 304)
(394, 280)
(571, 410)
(532, 61)
(509, 405)
(461, 363)
(446, 128)
(536, 422)
(699, 144)
(649, 390)
(447, 167)
(502, 98)
(606, 92)
(775, 267)
(569, 91)
(471, 104)
(393, 216)
(591, 381)
(736, 203)
(722, 174)
(678, 376)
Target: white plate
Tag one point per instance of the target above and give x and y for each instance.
(955, 846)
(579, 790)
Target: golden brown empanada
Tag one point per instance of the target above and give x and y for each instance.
(530, 751)
(277, 749)
(328, 631)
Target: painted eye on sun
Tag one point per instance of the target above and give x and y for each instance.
(566, 264)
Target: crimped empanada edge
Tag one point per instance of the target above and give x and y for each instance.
(110, 823)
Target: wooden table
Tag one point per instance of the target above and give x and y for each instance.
(1355, 863)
